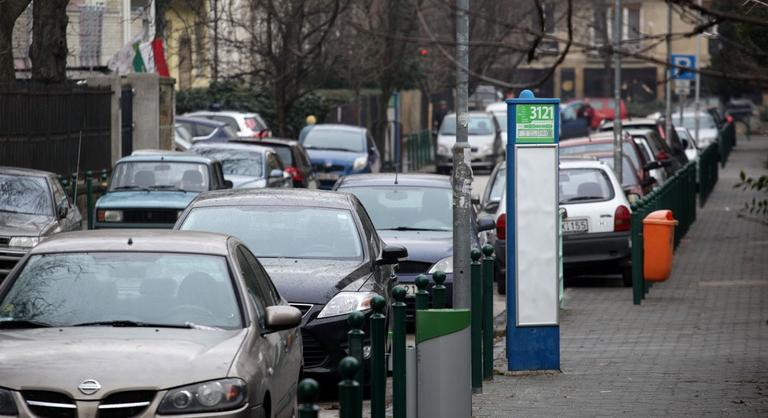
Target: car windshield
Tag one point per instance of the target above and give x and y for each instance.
(403, 208)
(499, 183)
(600, 147)
(689, 121)
(501, 117)
(335, 139)
(160, 175)
(123, 289)
(582, 185)
(25, 194)
(238, 162)
(478, 125)
(283, 231)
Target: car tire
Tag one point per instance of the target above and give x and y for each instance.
(626, 276)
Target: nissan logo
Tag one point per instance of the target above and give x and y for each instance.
(89, 387)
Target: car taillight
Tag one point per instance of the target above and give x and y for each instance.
(729, 119)
(621, 219)
(295, 174)
(662, 155)
(501, 227)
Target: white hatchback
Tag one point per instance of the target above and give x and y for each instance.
(247, 124)
(596, 228)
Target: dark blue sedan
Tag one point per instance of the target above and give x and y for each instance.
(338, 150)
(415, 212)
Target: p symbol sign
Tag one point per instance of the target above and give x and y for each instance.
(681, 60)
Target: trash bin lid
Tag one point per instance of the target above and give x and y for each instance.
(660, 217)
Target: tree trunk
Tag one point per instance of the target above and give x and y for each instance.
(10, 10)
(49, 40)
(380, 128)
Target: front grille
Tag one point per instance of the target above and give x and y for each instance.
(5, 241)
(303, 307)
(413, 267)
(314, 354)
(50, 404)
(125, 404)
(164, 216)
(322, 168)
(9, 260)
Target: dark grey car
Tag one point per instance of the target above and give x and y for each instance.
(140, 323)
(33, 205)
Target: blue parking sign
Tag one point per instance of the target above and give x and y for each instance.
(682, 60)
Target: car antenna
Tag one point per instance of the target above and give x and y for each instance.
(77, 166)
(396, 170)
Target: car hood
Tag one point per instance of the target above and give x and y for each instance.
(424, 246)
(474, 140)
(141, 199)
(20, 224)
(117, 358)
(245, 181)
(321, 156)
(312, 280)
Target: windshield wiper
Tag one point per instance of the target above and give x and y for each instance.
(334, 149)
(23, 323)
(129, 324)
(146, 189)
(574, 199)
(408, 228)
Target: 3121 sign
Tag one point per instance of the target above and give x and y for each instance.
(535, 123)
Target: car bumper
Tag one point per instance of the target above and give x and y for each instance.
(609, 249)
(126, 225)
(8, 259)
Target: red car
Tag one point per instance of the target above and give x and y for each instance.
(603, 109)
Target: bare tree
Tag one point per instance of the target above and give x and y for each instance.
(10, 10)
(48, 52)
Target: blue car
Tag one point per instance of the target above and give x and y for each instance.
(338, 150)
(150, 189)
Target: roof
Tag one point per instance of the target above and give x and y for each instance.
(632, 121)
(141, 240)
(170, 156)
(20, 171)
(230, 146)
(337, 126)
(222, 112)
(472, 113)
(268, 141)
(496, 107)
(595, 137)
(200, 121)
(388, 179)
(582, 163)
(273, 197)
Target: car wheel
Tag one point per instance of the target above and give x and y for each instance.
(626, 276)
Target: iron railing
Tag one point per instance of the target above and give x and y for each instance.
(419, 151)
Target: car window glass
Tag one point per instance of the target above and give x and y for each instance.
(582, 185)
(263, 282)
(204, 130)
(230, 121)
(25, 194)
(59, 195)
(160, 175)
(284, 152)
(340, 140)
(501, 118)
(228, 131)
(238, 162)
(251, 283)
(478, 125)
(600, 147)
(499, 184)
(254, 124)
(273, 163)
(394, 208)
(370, 230)
(642, 143)
(371, 144)
(628, 173)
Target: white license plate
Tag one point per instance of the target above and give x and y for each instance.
(410, 289)
(575, 225)
(327, 176)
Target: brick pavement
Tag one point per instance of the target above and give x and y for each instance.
(697, 346)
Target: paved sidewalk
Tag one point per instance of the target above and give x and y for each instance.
(697, 346)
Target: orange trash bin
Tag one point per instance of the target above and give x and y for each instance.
(658, 245)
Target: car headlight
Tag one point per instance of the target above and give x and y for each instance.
(445, 265)
(24, 242)
(215, 395)
(103, 215)
(443, 150)
(7, 404)
(360, 163)
(486, 149)
(346, 302)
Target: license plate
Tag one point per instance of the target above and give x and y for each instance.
(575, 225)
(327, 176)
(410, 289)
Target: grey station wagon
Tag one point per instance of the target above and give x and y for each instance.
(140, 323)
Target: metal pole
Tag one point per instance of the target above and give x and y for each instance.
(350, 406)
(476, 318)
(698, 85)
(462, 170)
(617, 159)
(378, 360)
(489, 269)
(398, 353)
(667, 85)
(307, 396)
(355, 337)
(422, 296)
(438, 290)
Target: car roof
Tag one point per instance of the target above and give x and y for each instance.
(135, 240)
(170, 156)
(638, 130)
(337, 127)
(21, 171)
(583, 163)
(223, 113)
(472, 113)
(231, 145)
(388, 179)
(270, 141)
(496, 107)
(274, 197)
(633, 121)
(595, 137)
(200, 121)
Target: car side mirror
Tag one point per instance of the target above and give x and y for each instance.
(276, 173)
(280, 317)
(652, 166)
(228, 184)
(485, 224)
(392, 254)
(62, 210)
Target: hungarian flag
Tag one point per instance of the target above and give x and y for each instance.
(141, 57)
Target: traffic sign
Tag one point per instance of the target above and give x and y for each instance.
(682, 60)
(535, 123)
(682, 87)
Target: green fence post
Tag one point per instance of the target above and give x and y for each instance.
(438, 290)
(398, 353)
(422, 296)
(489, 270)
(355, 337)
(89, 197)
(378, 357)
(476, 330)
(307, 396)
(637, 252)
(350, 405)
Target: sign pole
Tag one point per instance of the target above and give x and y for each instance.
(617, 163)
(533, 333)
(667, 74)
(698, 83)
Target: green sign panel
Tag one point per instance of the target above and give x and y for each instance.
(535, 123)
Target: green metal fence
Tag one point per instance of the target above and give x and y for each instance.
(419, 151)
(708, 172)
(726, 141)
(677, 194)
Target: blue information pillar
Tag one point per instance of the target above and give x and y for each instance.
(533, 333)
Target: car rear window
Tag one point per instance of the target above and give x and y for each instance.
(478, 125)
(599, 147)
(253, 124)
(583, 185)
(284, 152)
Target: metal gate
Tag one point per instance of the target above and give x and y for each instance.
(126, 116)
